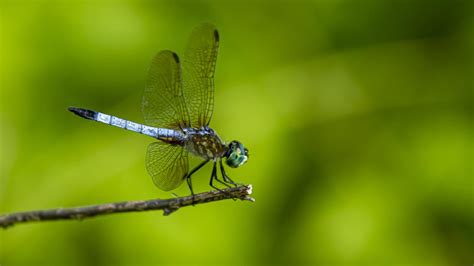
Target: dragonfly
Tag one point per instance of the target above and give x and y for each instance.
(177, 107)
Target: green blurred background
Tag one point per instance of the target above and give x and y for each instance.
(357, 114)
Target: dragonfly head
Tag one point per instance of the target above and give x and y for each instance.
(236, 154)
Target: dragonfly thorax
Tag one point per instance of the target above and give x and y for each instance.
(204, 142)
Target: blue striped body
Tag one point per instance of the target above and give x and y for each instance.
(165, 134)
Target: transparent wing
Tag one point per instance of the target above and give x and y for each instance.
(167, 165)
(198, 73)
(163, 101)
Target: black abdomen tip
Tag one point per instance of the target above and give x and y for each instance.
(88, 114)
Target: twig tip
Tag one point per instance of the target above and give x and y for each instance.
(249, 189)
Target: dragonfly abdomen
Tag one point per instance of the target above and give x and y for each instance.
(168, 135)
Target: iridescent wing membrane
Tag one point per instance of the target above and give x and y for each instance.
(167, 165)
(198, 73)
(171, 102)
(163, 106)
(163, 102)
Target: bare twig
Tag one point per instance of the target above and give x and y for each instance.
(167, 205)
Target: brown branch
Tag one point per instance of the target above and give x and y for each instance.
(167, 205)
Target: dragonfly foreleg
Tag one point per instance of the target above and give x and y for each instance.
(217, 178)
(214, 176)
(225, 176)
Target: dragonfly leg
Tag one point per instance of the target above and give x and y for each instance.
(220, 181)
(188, 176)
(214, 176)
(225, 176)
(190, 185)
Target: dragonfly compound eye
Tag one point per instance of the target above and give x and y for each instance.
(237, 154)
